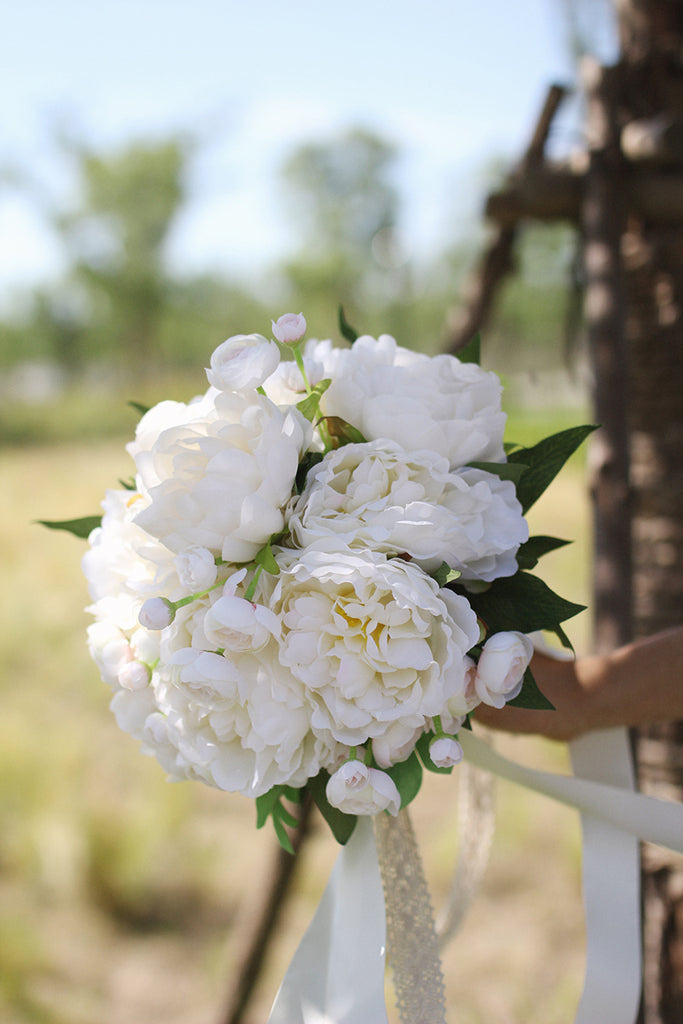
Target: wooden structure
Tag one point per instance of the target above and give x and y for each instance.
(625, 195)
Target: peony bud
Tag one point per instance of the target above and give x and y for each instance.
(502, 664)
(445, 751)
(156, 613)
(290, 328)
(134, 676)
(356, 789)
(197, 569)
(235, 624)
(243, 363)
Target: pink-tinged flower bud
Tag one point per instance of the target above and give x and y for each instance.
(502, 664)
(156, 613)
(242, 363)
(134, 676)
(445, 751)
(356, 789)
(289, 329)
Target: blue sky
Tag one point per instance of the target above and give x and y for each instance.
(452, 82)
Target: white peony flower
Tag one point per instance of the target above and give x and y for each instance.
(500, 671)
(379, 496)
(240, 723)
(122, 565)
(122, 560)
(356, 789)
(132, 709)
(222, 480)
(289, 328)
(424, 403)
(243, 362)
(445, 751)
(110, 648)
(165, 418)
(376, 644)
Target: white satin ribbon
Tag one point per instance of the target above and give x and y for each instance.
(611, 889)
(337, 974)
(658, 821)
(614, 818)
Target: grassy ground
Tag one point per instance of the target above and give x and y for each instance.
(124, 898)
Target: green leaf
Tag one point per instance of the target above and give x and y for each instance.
(309, 460)
(407, 776)
(505, 470)
(563, 638)
(342, 825)
(521, 602)
(265, 805)
(266, 559)
(142, 409)
(270, 805)
(471, 353)
(129, 484)
(530, 696)
(79, 527)
(282, 836)
(444, 574)
(310, 405)
(343, 432)
(422, 748)
(534, 548)
(347, 331)
(545, 460)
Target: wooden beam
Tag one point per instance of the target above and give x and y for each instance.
(654, 139)
(556, 193)
(498, 261)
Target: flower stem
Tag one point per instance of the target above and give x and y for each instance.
(300, 363)
(251, 589)
(194, 597)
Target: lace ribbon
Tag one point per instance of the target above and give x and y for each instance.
(412, 945)
(476, 826)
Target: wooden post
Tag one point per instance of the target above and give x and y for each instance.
(603, 219)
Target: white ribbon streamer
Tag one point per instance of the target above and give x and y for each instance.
(658, 821)
(337, 973)
(611, 889)
(614, 818)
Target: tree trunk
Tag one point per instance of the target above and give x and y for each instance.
(654, 266)
(651, 33)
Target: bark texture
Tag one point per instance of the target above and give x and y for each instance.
(652, 96)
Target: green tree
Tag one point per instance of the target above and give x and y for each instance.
(115, 238)
(344, 208)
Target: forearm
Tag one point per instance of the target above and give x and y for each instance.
(641, 682)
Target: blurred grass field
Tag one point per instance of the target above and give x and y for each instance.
(123, 899)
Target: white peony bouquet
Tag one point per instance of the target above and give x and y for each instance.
(320, 570)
